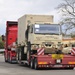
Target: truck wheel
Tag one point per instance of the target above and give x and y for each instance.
(35, 64)
(32, 64)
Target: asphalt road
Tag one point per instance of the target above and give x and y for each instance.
(15, 69)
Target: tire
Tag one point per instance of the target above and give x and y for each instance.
(35, 64)
(32, 64)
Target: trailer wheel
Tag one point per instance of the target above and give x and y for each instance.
(35, 64)
(32, 63)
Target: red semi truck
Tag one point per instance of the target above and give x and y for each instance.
(10, 40)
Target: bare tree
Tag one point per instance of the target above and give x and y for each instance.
(67, 9)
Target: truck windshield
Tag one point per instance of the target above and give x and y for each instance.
(47, 29)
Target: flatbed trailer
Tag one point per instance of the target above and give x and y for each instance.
(50, 61)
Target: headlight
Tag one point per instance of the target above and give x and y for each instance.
(35, 46)
(42, 45)
(54, 45)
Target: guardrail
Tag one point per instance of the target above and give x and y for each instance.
(1, 50)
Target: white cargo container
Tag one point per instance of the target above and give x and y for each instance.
(29, 20)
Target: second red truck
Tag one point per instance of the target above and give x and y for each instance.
(10, 40)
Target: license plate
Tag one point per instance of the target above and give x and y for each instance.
(57, 65)
(57, 56)
(13, 57)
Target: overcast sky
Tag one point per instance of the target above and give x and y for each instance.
(14, 9)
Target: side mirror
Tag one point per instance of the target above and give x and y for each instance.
(3, 38)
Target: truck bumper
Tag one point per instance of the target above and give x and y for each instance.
(13, 60)
(55, 66)
(46, 61)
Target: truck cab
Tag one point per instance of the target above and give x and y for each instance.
(44, 35)
(10, 40)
